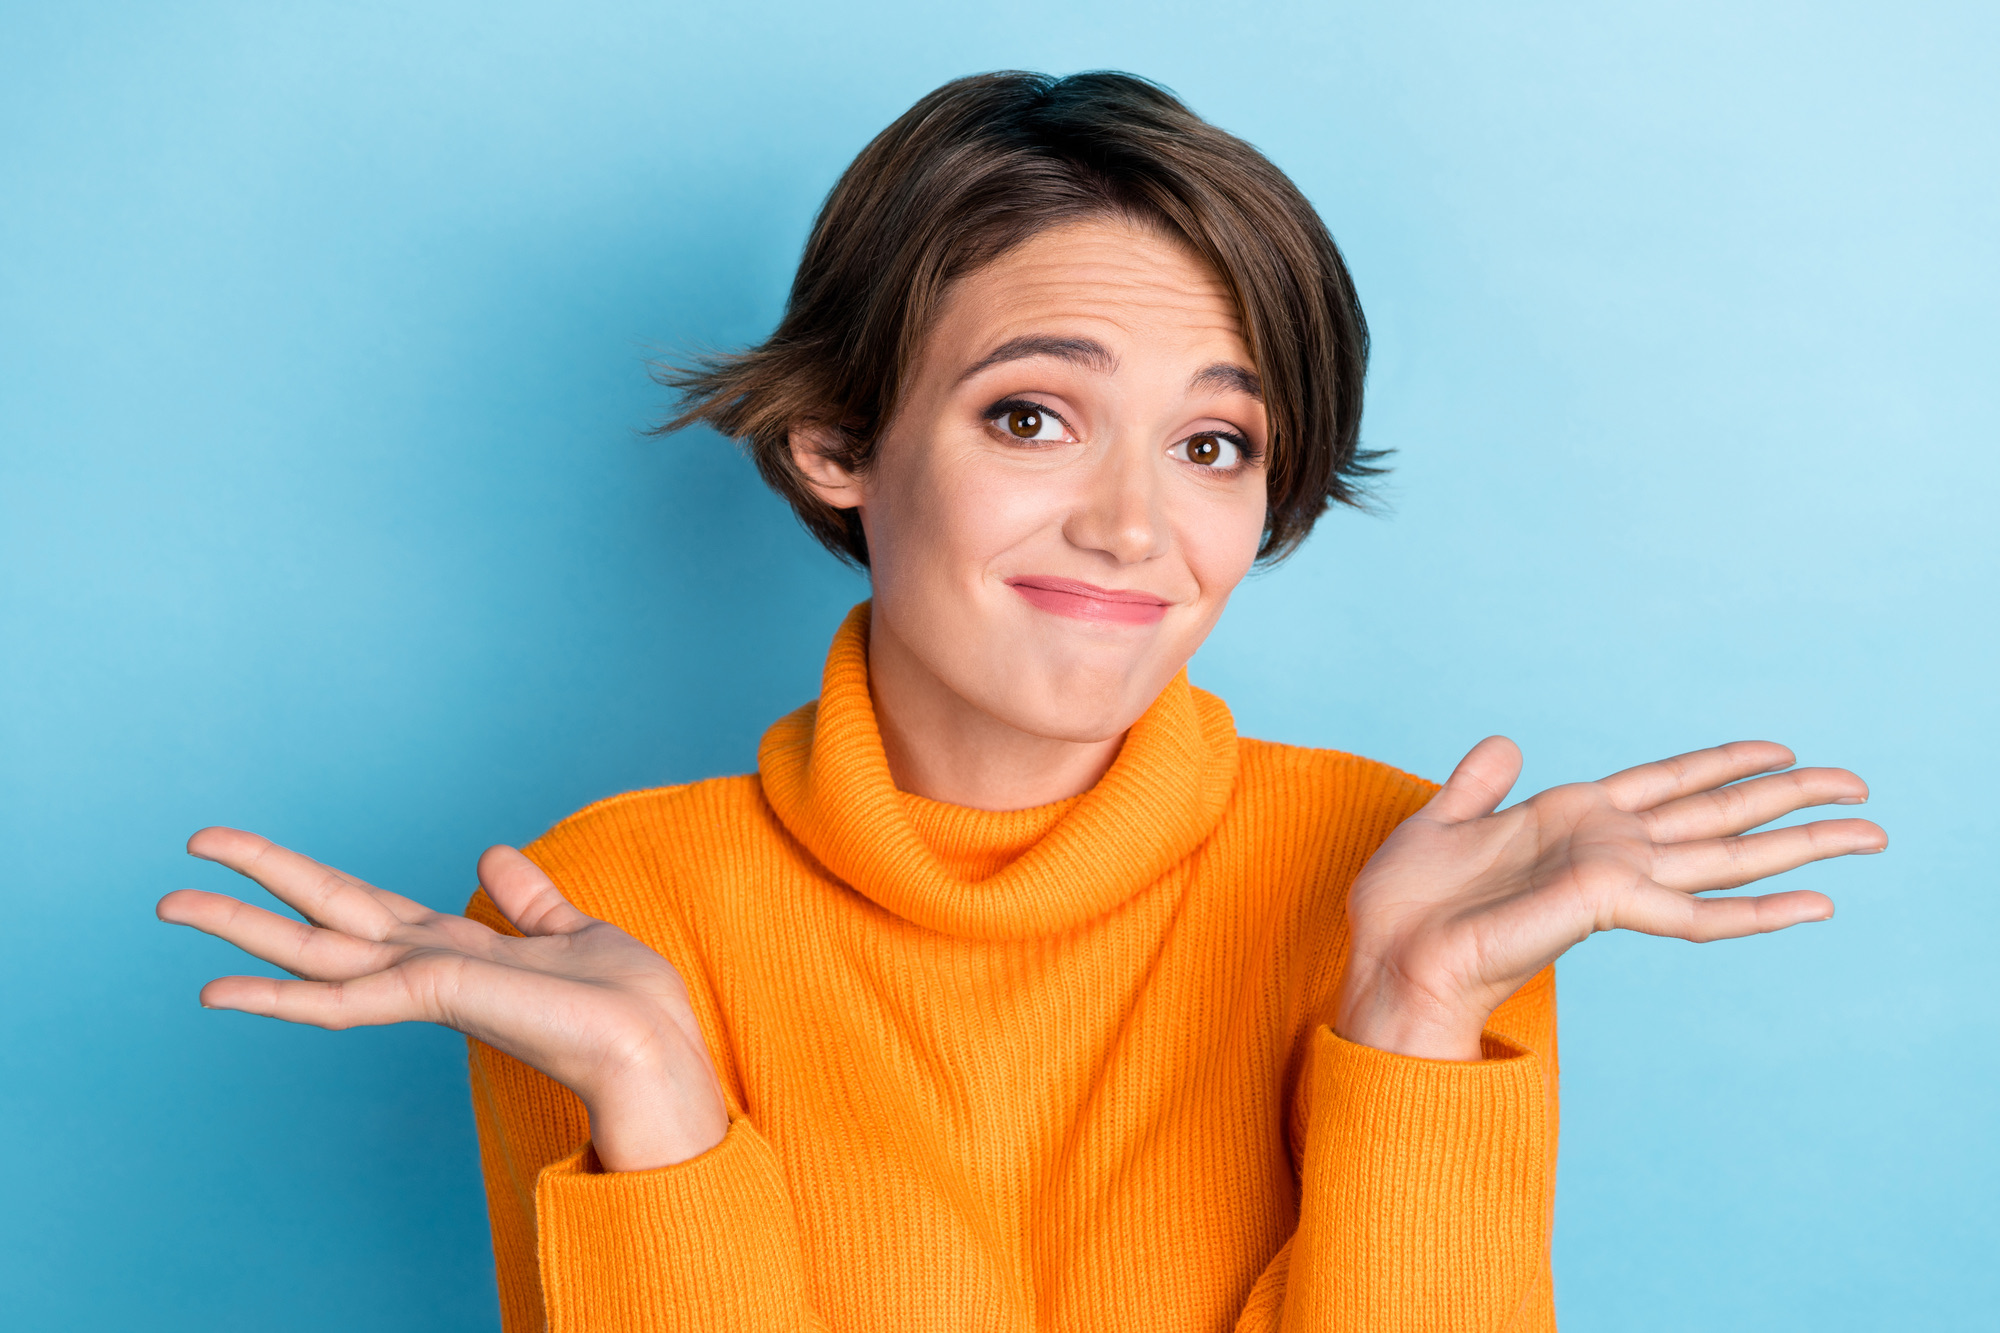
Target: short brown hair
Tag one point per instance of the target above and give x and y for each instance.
(979, 166)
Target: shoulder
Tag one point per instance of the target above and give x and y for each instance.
(641, 822)
(633, 842)
(616, 858)
(1308, 819)
(1331, 782)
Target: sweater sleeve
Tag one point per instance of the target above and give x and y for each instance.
(1427, 1186)
(708, 1243)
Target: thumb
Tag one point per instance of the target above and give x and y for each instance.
(526, 896)
(1479, 783)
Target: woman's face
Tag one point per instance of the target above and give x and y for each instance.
(1073, 483)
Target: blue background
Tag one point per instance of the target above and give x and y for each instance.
(323, 512)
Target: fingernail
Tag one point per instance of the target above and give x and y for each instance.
(1852, 800)
(1869, 851)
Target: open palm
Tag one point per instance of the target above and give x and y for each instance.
(1465, 901)
(575, 997)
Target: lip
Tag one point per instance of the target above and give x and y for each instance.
(1087, 601)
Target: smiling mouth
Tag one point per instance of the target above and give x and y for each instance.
(1087, 601)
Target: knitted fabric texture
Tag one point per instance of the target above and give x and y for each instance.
(1063, 1068)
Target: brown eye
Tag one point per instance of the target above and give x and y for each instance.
(1024, 423)
(1204, 449)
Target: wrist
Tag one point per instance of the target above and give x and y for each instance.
(1383, 1009)
(654, 1116)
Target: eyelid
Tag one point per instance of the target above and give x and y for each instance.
(1252, 452)
(1013, 404)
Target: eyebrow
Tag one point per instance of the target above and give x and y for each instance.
(1225, 375)
(1085, 352)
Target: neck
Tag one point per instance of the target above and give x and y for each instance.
(943, 747)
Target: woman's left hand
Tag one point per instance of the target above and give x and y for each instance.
(1465, 901)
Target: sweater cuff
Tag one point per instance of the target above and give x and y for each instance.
(704, 1244)
(1425, 1199)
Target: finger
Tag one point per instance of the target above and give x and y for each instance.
(1742, 806)
(317, 891)
(235, 842)
(301, 949)
(526, 896)
(1725, 863)
(378, 998)
(1479, 783)
(1648, 785)
(1654, 910)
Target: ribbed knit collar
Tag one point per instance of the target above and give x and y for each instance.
(826, 776)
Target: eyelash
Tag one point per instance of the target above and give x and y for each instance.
(1247, 453)
(1007, 405)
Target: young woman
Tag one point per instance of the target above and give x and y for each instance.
(1015, 990)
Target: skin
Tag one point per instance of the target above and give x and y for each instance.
(985, 699)
(1150, 483)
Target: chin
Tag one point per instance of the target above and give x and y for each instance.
(1082, 706)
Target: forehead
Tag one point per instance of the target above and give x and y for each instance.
(1144, 295)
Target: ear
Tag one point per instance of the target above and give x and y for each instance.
(813, 453)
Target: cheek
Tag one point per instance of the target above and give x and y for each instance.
(1220, 540)
(943, 515)
(1000, 507)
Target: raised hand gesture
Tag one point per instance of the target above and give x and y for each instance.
(574, 997)
(1465, 901)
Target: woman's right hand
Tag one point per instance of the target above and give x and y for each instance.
(575, 997)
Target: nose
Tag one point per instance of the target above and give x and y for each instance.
(1118, 509)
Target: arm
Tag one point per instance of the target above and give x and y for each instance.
(672, 1215)
(710, 1242)
(707, 1243)
(1427, 1108)
(1426, 1187)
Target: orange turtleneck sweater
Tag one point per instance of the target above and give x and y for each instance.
(1060, 1068)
